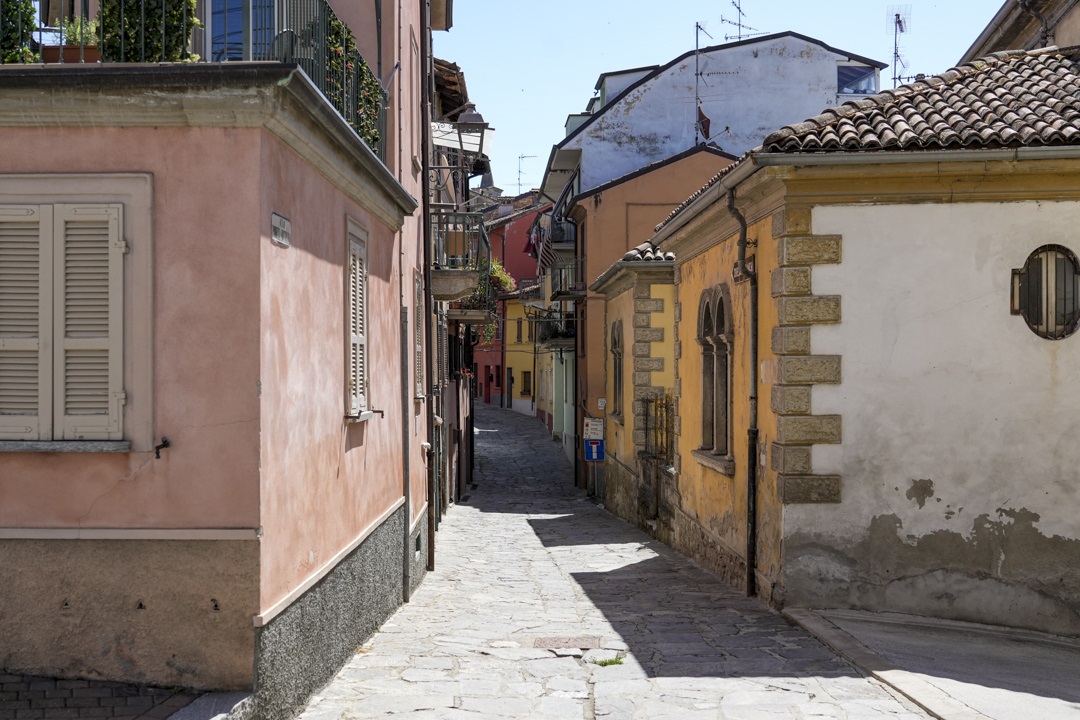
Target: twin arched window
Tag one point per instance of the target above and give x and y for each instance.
(715, 338)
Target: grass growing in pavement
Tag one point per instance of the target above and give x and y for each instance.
(608, 661)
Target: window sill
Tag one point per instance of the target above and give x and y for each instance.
(65, 446)
(720, 463)
(617, 417)
(362, 417)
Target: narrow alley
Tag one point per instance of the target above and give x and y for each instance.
(543, 605)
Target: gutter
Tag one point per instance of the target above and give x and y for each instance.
(752, 429)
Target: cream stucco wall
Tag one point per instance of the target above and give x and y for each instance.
(958, 462)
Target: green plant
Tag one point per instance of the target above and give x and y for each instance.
(81, 31)
(350, 85)
(17, 25)
(132, 32)
(608, 661)
(498, 281)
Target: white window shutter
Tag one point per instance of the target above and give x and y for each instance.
(358, 360)
(88, 392)
(25, 322)
(418, 340)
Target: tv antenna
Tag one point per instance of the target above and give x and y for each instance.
(740, 26)
(698, 130)
(899, 22)
(520, 158)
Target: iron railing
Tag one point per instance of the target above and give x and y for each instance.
(306, 33)
(554, 326)
(461, 241)
(568, 278)
(658, 417)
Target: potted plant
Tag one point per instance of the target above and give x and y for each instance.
(17, 25)
(79, 38)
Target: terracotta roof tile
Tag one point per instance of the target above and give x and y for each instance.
(647, 252)
(1003, 100)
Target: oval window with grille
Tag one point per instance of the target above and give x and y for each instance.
(1045, 292)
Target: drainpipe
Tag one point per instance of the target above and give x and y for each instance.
(429, 310)
(1044, 33)
(378, 39)
(752, 430)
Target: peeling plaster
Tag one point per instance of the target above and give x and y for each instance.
(1004, 572)
(920, 490)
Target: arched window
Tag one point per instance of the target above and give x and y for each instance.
(617, 368)
(1045, 292)
(714, 337)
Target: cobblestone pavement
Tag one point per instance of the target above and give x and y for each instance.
(36, 698)
(545, 606)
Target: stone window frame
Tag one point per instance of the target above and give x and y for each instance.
(133, 193)
(617, 369)
(715, 337)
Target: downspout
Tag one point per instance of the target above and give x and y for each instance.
(429, 311)
(406, 448)
(1044, 33)
(378, 39)
(752, 430)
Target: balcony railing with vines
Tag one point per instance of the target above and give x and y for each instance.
(306, 33)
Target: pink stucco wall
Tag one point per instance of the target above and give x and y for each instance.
(324, 480)
(205, 343)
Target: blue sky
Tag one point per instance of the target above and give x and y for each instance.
(528, 65)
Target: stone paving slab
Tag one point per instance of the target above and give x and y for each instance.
(529, 570)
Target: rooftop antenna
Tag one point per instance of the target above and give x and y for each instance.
(739, 25)
(899, 20)
(520, 158)
(698, 29)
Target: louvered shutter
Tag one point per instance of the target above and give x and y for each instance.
(358, 377)
(88, 393)
(25, 322)
(418, 340)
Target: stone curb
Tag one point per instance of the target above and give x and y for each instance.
(930, 698)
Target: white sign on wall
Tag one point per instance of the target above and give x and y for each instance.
(594, 429)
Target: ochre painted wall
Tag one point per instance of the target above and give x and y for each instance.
(519, 358)
(618, 219)
(715, 501)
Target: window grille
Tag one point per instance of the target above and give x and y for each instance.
(1045, 292)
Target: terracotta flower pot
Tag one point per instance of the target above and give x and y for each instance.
(71, 54)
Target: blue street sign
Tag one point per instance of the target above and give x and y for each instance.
(594, 450)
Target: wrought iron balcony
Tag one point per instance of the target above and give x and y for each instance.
(556, 329)
(462, 254)
(306, 33)
(568, 279)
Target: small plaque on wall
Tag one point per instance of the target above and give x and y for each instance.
(740, 277)
(280, 230)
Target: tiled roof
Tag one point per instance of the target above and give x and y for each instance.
(702, 190)
(1008, 99)
(647, 252)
